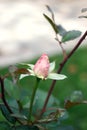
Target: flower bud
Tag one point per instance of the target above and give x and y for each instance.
(41, 68)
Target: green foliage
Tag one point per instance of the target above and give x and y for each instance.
(58, 29)
(83, 11)
(4, 126)
(7, 114)
(40, 98)
(12, 89)
(62, 31)
(83, 16)
(66, 35)
(25, 127)
(19, 116)
(62, 128)
(71, 35)
(51, 23)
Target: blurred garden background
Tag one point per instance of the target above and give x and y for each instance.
(23, 27)
(25, 35)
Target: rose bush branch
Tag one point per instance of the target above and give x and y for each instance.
(60, 69)
(61, 34)
(53, 24)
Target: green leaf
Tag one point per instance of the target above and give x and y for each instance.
(49, 9)
(71, 35)
(23, 76)
(51, 23)
(52, 125)
(25, 127)
(4, 126)
(7, 114)
(20, 116)
(40, 98)
(31, 66)
(82, 16)
(12, 89)
(25, 112)
(61, 30)
(56, 76)
(84, 10)
(25, 101)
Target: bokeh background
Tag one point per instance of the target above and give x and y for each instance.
(25, 33)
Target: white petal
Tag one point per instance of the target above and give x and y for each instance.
(31, 66)
(56, 76)
(23, 75)
(31, 72)
(52, 66)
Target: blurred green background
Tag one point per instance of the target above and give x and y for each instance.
(76, 71)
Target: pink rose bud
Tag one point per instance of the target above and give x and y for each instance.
(41, 68)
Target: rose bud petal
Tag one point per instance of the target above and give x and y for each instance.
(41, 68)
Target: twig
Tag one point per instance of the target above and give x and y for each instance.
(59, 71)
(63, 50)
